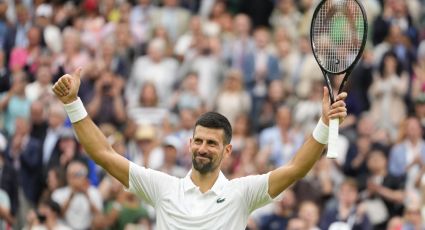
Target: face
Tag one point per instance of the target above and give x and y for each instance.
(347, 194)
(208, 149)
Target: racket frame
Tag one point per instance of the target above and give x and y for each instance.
(334, 123)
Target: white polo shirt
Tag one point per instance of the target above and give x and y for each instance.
(179, 203)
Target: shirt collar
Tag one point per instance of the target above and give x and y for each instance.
(216, 188)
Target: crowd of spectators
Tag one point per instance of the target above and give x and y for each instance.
(151, 67)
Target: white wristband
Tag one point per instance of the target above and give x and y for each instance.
(75, 110)
(321, 132)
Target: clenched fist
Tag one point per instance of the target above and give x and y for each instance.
(66, 88)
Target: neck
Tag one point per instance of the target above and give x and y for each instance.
(204, 181)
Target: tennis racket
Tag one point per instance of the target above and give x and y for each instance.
(338, 36)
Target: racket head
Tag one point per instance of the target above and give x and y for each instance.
(338, 34)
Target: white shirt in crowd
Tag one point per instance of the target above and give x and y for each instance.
(78, 215)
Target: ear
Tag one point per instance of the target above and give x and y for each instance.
(228, 150)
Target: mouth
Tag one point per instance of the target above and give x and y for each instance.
(202, 158)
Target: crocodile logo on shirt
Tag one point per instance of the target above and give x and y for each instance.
(220, 200)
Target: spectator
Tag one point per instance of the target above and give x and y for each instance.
(387, 92)
(47, 216)
(407, 156)
(171, 147)
(154, 67)
(106, 104)
(24, 153)
(79, 201)
(6, 217)
(309, 212)
(40, 88)
(281, 215)
(383, 188)
(173, 17)
(14, 103)
(233, 99)
(346, 213)
(279, 143)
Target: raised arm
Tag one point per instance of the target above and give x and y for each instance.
(310, 151)
(89, 135)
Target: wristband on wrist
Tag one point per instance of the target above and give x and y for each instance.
(75, 110)
(321, 132)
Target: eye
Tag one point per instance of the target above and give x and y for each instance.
(197, 141)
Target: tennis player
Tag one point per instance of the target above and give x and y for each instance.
(204, 199)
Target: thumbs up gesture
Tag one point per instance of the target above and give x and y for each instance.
(66, 88)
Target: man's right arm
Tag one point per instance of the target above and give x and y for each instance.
(89, 135)
(98, 148)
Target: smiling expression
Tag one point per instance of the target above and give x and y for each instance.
(208, 149)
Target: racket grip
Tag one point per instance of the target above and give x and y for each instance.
(333, 139)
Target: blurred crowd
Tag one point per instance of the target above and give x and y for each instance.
(151, 67)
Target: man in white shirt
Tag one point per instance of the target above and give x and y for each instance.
(204, 199)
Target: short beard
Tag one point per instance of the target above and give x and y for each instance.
(203, 168)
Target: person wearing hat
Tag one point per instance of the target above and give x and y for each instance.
(171, 147)
(148, 152)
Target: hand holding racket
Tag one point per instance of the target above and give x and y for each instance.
(338, 36)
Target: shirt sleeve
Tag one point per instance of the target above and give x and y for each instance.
(149, 184)
(255, 191)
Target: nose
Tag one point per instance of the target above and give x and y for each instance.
(202, 150)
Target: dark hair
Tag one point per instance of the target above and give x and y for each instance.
(390, 53)
(216, 121)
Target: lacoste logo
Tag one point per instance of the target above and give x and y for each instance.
(220, 200)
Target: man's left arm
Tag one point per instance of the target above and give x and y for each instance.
(310, 151)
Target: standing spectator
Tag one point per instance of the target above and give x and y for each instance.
(24, 153)
(382, 187)
(8, 175)
(173, 17)
(56, 119)
(286, 15)
(141, 21)
(106, 104)
(79, 201)
(407, 156)
(206, 62)
(280, 142)
(237, 49)
(387, 94)
(233, 99)
(38, 120)
(154, 67)
(17, 32)
(40, 88)
(14, 103)
(302, 70)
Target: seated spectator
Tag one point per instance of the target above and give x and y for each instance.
(310, 213)
(47, 216)
(346, 213)
(79, 201)
(385, 192)
(283, 212)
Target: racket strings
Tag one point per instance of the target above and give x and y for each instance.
(338, 31)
